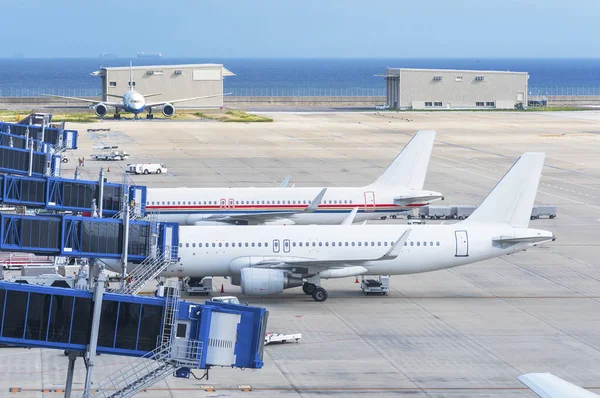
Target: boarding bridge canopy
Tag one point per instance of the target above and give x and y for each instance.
(61, 194)
(54, 136)
(88, 237)
(61, 318)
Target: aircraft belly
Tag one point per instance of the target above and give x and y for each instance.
(319, 218)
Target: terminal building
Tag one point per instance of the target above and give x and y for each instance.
(170, 82)
(436, 89)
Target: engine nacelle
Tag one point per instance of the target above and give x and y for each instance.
(100, 109)
(261, 282)
(168, 110)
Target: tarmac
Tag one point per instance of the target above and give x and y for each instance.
(464, 332)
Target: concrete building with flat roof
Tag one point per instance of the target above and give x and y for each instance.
(171, 82)
(436, 89)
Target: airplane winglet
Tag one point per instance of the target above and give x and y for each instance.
(395, 250)
(285, 182)
(350, 218)
(316, 202)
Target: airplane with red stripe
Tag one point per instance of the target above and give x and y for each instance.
(397, 190)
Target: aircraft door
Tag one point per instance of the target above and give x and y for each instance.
(462, 243)
(276, 246)
(286, 246)
(137, 199)
(369, 201)
(168, 241)
(223, 203)
(231, 204)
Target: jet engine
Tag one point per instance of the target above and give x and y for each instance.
(260, 282)
(100, 109)
(168, 110)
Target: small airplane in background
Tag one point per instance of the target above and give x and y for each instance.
(132, 102)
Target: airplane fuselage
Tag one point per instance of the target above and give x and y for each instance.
(190, 206)
(134, 102)
(222, 251)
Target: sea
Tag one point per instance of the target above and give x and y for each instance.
(307, 76)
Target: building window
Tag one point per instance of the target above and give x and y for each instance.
(479, 78)
(437, 78)
(490, 104)
(428, 103)
(479, 104)
(458, 79)
(437, 104)
(113, 84)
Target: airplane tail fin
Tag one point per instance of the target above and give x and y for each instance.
(130, 76)
(511, 200)
(410, 166)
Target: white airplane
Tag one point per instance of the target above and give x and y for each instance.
(132, 102)
(547, 385)
(397, 190)
(268, 259)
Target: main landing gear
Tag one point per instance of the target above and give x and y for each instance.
(150, 115)
(318, 293)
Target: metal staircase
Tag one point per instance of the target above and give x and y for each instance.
(172, 353)
(148, 270)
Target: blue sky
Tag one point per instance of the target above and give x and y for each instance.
(307, 28)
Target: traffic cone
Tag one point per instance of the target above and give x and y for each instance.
(356, 281)
(222, 288)
(108, 170)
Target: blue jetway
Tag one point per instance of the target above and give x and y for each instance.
(15, 156)
(76, 236)
(55, 136)
(62, 194)
(61, 318)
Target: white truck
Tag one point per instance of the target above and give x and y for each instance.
(146, 168)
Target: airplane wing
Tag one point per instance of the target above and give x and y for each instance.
(91, 101)
(314, 265)
(182, 100)
(546, 385)
(267, 216)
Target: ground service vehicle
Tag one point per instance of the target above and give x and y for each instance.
(147, 168)
(109, 153)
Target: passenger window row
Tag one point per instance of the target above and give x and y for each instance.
(313, 244)
(246, 202)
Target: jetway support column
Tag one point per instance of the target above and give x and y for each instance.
(125, 235)
(101, 192)
(30, 168)
(70, 373)
(93, 346)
